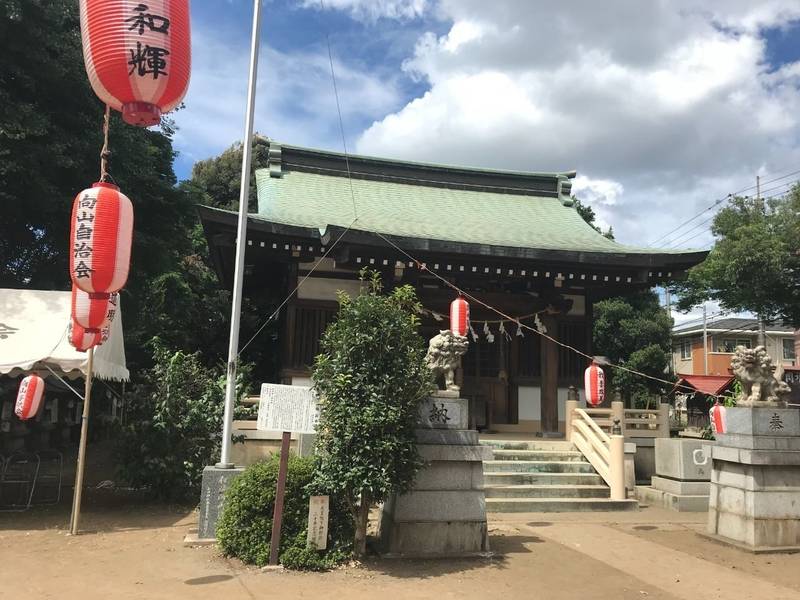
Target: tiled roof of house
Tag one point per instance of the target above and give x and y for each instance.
(707, 384)
(734, 325)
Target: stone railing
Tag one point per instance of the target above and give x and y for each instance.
(606, 453)
(635, 423)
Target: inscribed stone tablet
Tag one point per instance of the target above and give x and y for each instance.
(318, 522)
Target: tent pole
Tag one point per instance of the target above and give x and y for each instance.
(76, 497)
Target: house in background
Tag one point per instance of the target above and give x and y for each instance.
(723, 335)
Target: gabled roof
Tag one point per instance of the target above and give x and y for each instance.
(470, 211)
(706, 384)
(733, 326)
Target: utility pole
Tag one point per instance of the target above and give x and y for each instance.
(762, 334)
(705, 342)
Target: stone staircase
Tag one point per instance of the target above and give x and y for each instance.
(544, 476)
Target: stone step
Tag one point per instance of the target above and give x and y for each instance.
(509, 505)
(530, 445)
(511, 478)
(537, 466)
(547, 491)
(539, 455)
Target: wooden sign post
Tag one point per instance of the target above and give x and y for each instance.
(289, 409)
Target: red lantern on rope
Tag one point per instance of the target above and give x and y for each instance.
(82, 340)
(100, 239)
(93, 312)
(459, 316)
(137, 55)
(594, 381)
(717, 418)
(29, 397)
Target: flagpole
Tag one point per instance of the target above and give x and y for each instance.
(241, 243)
(76, 494)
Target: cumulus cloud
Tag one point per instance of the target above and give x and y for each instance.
(372, 10)
(663, 106)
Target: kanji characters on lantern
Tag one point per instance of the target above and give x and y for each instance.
(100, 239)
(29, 397)
(594, 381)
(459, 316)
(137, 55)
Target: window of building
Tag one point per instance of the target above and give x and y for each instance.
(686, 349)
(788, 349)
(729, 344)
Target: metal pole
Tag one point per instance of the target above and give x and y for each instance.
(280, 492)
(705, 343)
(241, 243)
(76, 495)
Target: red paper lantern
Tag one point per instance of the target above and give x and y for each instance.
(717, 418)
(100, 239)
(594, 381)
(459, 316)
(82, 340)
(93, 311)
(137, 55)
(29, 397)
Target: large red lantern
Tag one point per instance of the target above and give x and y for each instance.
(100, 239)
(459, 316)
(718, 418)
(93, 311)
(137, 55)
(594, 381)
(29, 397)
(82, 340)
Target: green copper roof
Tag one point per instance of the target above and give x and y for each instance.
(420, 211)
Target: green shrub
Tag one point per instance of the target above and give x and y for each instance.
(245, 525)
(174, 424)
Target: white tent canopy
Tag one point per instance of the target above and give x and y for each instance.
(33, 336)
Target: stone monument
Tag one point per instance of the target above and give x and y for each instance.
(444, 514)
(683, 473)
(755, 480)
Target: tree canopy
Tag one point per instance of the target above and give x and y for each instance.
(587, 214)
(755, 263)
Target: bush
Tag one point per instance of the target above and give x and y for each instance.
(245, 525)
(174, 424)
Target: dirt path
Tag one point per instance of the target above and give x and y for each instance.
(138, 553)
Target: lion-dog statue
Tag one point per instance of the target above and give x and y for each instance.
(754, 369)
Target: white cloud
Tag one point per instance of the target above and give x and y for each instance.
(372, 10)
(295, 102)
(667, 106)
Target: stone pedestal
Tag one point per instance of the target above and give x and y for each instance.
(215, 482)
(444, 514)
(755, 480)
(683, 472)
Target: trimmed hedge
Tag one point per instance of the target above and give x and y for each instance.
(245, 525)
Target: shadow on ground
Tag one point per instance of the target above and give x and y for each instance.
(103, 511)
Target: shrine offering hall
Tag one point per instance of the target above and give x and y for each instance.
(511, 239)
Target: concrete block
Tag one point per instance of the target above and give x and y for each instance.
(215, 482)
(440, 506)
(681, 488)
(449, 452)
(437, 412)
(645, 459)
(756, 457)
(759, 442)
(454, 538)
(781, 422)
(682, 458)
(458, 437)
(450, 476)
(678, 503)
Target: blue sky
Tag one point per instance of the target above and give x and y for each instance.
(661, 113)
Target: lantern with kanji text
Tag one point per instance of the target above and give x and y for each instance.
(459, 316)
(29, 397)
(100, 239)
(718, 418)
(137, 55)
(594, 381)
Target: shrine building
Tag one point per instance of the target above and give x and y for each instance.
(512, 239)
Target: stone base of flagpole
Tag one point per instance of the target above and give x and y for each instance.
(215, 481)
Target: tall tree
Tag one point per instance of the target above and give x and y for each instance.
(634, 332)
(755, 263)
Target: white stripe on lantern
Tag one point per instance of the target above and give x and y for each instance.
(97, 85)
(459, 316)
(124, 241)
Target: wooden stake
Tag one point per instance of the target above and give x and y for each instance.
(76, 497)
(277, 515)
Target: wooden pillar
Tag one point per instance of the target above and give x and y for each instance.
(549, 396)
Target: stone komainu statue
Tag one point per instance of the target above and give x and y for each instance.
(444, 353)
(754, 369)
